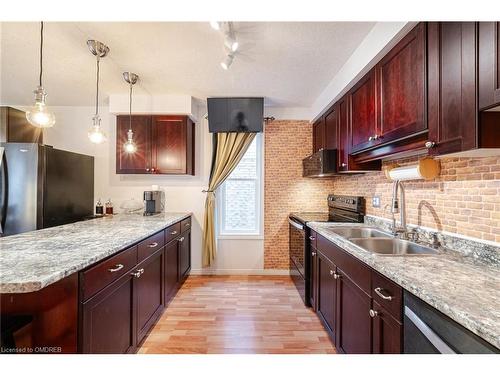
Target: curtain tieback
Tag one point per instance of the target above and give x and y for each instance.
(207, 191)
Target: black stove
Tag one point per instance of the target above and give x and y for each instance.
(341, 208)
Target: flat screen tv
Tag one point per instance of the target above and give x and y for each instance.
(245, 115)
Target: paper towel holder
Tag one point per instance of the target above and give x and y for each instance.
(425, 169)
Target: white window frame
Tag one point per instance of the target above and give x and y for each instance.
(259, 234)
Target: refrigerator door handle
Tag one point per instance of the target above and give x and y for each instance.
(4, 187)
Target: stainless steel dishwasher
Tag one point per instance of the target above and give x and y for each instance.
(428, 331)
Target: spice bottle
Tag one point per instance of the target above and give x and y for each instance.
(109, 207)
(99, 210)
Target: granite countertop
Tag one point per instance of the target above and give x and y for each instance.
(30, 261)
(466, 290)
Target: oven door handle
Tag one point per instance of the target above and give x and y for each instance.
(429, 334)
(295, 224)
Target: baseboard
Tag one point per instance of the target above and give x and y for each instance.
(207, 271)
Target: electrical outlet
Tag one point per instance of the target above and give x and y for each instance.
(376, 201)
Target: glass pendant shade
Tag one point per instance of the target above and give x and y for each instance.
(96, 135)
(39, 115)
(130, 146)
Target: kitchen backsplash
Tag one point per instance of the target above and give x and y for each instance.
(464, 199)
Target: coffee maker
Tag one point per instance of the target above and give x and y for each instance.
(153, 202)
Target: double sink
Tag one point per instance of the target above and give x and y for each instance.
(381, 243)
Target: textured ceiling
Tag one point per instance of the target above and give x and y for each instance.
(287, 63)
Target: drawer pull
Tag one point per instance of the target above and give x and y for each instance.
(312, 238)
(117, 268)
(373, 313)
(154, 244)
(181, 239)
(173, 233)
(382, 295)
(187, 225)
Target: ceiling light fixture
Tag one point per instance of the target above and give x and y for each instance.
(38, 115)
(130, 146)
(227, 62)
(99, 50)
(230, 43)
(215, 25)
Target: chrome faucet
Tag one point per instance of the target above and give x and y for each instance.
(398, 206)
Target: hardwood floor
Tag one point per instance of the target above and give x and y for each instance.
(238, 314)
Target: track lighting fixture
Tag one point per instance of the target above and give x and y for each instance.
(215, 25)
(227, 62)
(230, 43)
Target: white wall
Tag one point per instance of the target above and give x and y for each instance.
(183, 193)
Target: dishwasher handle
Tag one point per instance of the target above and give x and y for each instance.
(429, 334)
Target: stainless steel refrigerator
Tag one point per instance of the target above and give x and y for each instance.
(42, 187)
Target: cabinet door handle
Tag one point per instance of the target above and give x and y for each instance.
(181, 239)
(187, 225)
(376, 136)
(173, 233)
(117, 268)
(331, 272)
(370, 138)
(312, 238)
(382, 295)
(336, 276)
(154, 244)
(137, 273)
(430, 144)
(147, 169)
(373, 313)
(313, 253)
(343, 165)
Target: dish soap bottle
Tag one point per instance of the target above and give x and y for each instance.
(109, 207)
(99, 210)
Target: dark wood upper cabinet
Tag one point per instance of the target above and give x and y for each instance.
(363, 113)
(319, 134)
(140, 161)
(15, 127)
(452, 112)
(489, 64)
(165, 145)
(401, 77)
(173, 145)
(331, 129)
(327, 291)
(353, 317)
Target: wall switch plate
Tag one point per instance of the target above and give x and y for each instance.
(376, 201)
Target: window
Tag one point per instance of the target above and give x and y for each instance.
(239, 204)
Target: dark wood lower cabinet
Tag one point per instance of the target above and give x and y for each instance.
(117, 317)
(327, 290)
(171, 269)
(184, 255)
(149, 293)
(108, 319)
(360, 308)
(387, 332)
(313, 284)
(353, 318)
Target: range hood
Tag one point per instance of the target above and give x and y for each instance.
(320, 164)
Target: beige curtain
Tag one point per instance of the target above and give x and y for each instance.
(228, 150)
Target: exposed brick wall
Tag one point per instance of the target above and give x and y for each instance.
(285, 190)
(465, 199)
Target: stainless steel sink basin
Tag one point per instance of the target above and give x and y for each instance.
(359, 232)
(393, 246)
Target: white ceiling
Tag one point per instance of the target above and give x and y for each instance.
(289, 64)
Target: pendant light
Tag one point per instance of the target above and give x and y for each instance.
(38, 115)
(99, 50)
(129, 146)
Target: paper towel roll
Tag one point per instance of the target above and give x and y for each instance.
(426, 169)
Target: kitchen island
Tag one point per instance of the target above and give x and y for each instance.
(54, 277)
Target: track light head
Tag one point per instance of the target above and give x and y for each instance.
(230, 43)
(215, 25)
(227, 62)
